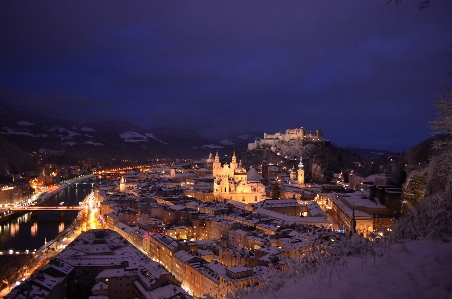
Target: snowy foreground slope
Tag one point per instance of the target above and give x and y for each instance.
(418, 269)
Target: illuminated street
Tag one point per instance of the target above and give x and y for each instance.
(88, 217)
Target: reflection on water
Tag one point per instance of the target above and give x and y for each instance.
(61, 227)
(14, 229)
(22, 232)
(34, 229)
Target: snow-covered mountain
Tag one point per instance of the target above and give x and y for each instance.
(240, 141)
(33, 132)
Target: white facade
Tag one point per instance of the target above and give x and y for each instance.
(231, 181)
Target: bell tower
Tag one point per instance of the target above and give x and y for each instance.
(209, 161)
(233, 165)
(216, 165)
(172, 171)
(300, 172)
(293, 174)
(122, 184)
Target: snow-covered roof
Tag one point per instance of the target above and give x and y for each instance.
(100, 286)
(277, 203)
(320, 221)
(252, 175)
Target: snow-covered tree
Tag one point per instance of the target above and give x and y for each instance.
(442, 125)
(414, 187)
(432, 218)
(317, 174)
(439, 172)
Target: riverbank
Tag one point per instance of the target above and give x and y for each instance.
(46, 196)
(11, 215)
(22, 267)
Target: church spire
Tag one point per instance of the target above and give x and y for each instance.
(300, 172)
(300, 165)
(234, 158)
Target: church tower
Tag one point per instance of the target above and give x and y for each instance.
(172, 171)
(293, 174)
(233, 165)
(209, 161)
(122, 184)
(301, 172)
(216, 165)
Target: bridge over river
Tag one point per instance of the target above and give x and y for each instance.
(40, 223)
(42, 208)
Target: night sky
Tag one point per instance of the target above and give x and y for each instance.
(365, 72)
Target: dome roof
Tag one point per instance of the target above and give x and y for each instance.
(252, 175)
(240, 170)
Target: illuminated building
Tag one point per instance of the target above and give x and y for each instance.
(231, 181)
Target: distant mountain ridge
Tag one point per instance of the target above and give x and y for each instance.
(369, 153)
(33, 132)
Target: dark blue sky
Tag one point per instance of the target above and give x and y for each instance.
(365, 72)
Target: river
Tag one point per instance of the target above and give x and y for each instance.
(31, 230)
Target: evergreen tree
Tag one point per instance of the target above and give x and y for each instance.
(276, 191)
(81, 284)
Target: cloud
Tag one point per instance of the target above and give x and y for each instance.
(56, 104)
(347, 67)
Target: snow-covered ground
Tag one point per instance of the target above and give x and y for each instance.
(133, 137)
(418, 269)
(213, 146)
(93, 143)
(137, 137)
(150, 135)
(62, 130)
(68, 143)
(227, 142)
(14, 132)
(24, 123)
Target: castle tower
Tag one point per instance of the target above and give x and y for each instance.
(300, 172)
(122, 184)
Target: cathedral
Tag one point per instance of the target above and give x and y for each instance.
(232, 181)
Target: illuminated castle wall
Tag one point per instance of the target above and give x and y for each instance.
(273, 140)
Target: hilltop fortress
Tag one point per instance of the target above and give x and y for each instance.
(273, 140)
